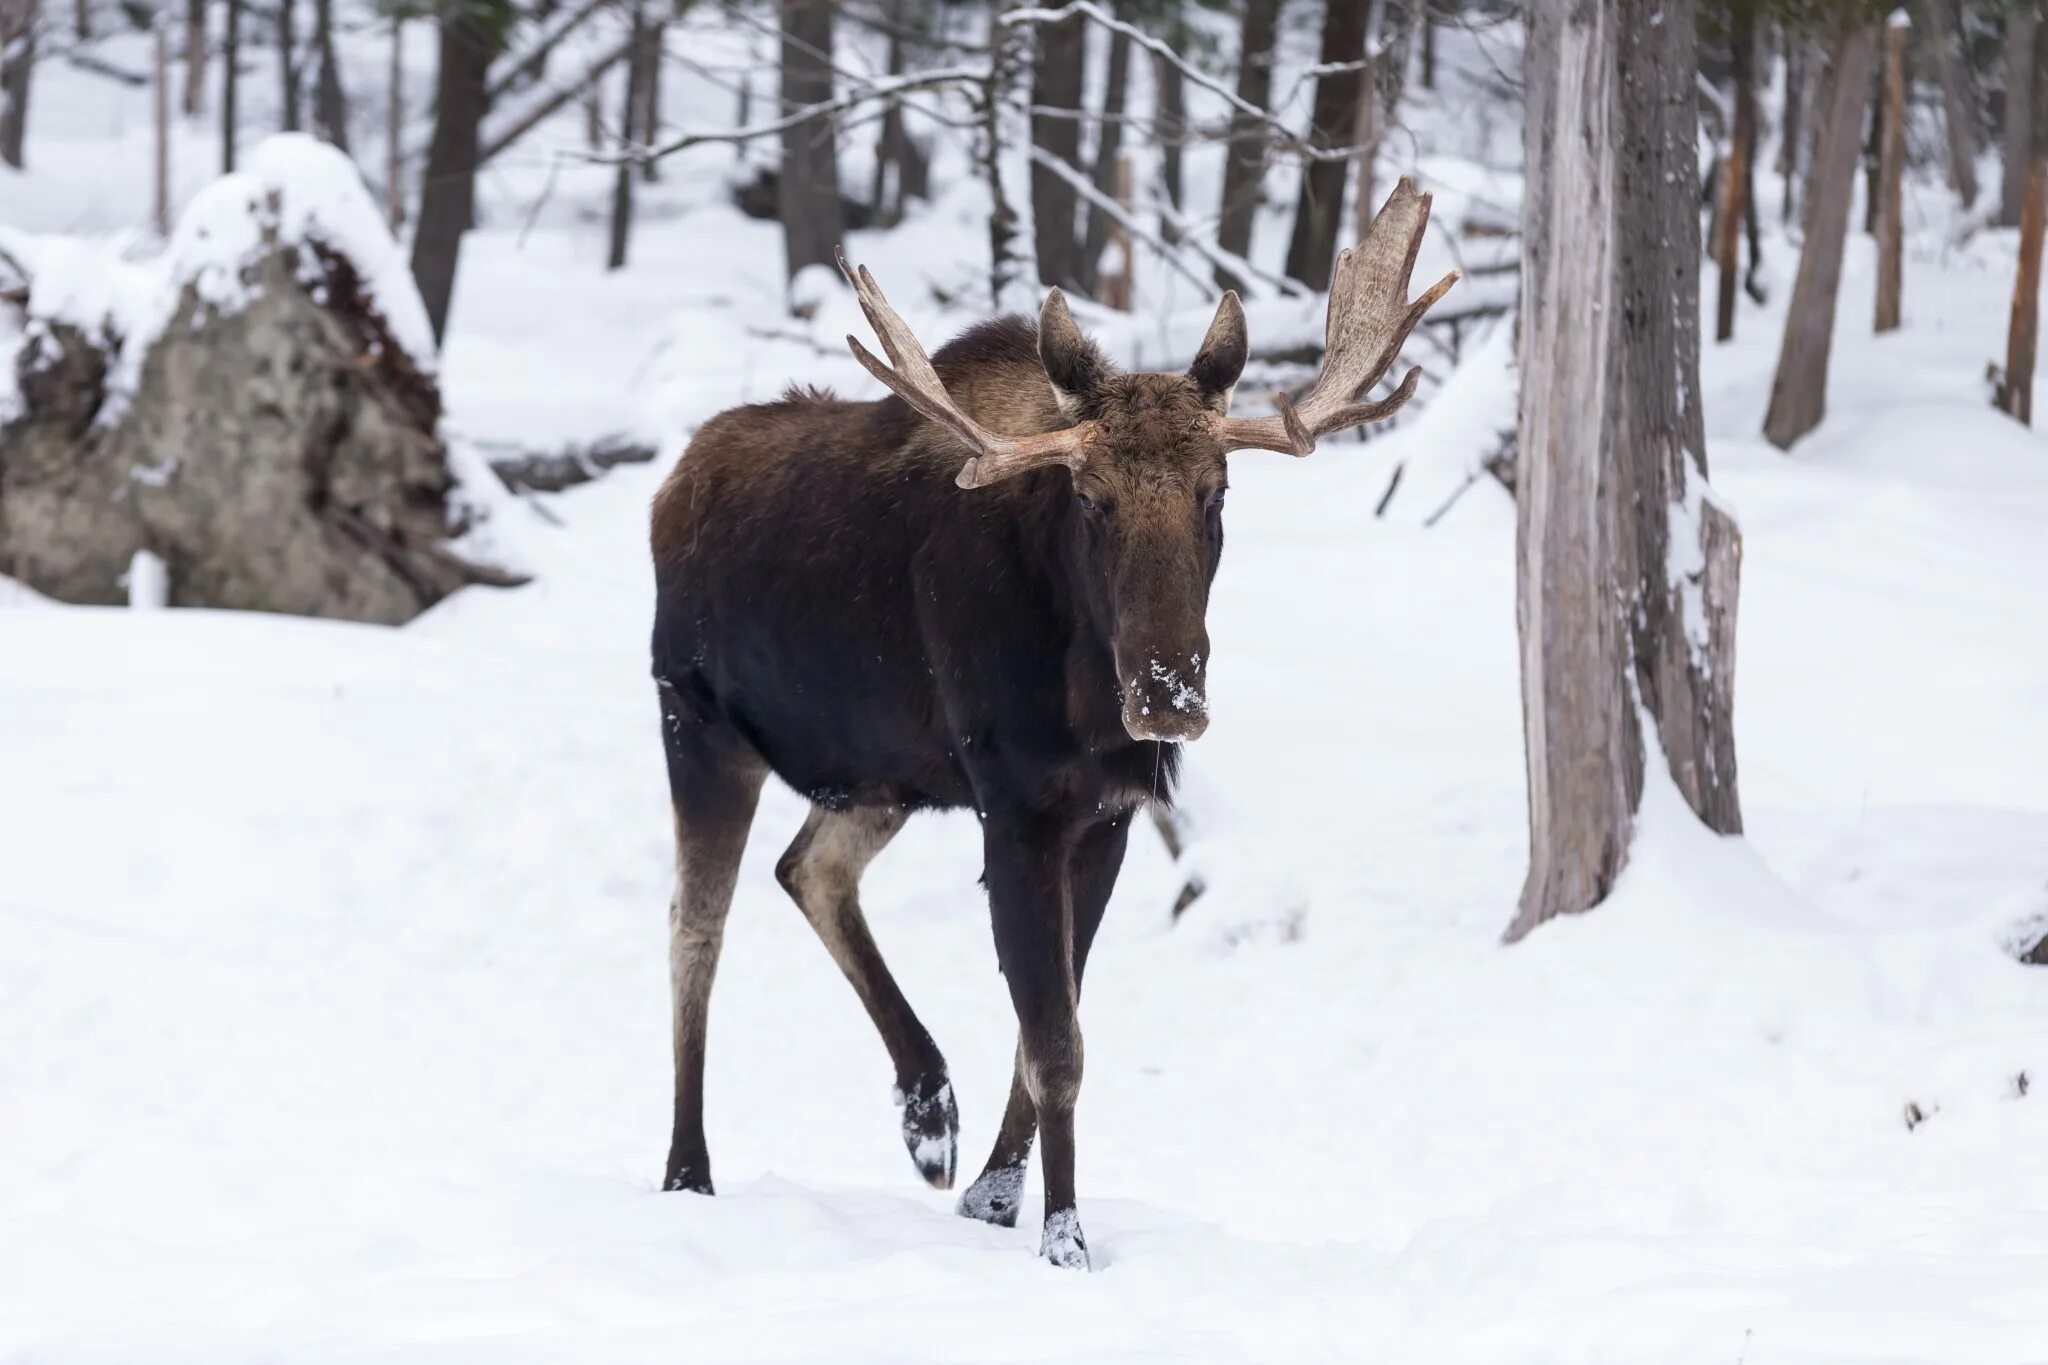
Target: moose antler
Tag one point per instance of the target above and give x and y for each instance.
(915, 381)
(1370, 317)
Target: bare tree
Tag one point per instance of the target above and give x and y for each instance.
(1734, 205)
(230, 84)
(2021, 26)
(1942, 22)
(1170, 118)
(195, 57)
(1891, 229)
(808, 186)
(1056, 132)
(394, 124)
(1318, 211)
(470, 39)
(288, 63)
(1244, 170)
(1012, 252)
(330, 103)
(1626, 589)
(160, 111)
(1799, 392)
(633, 132)
(18, 23)
(1109, 141)
(2016, 383)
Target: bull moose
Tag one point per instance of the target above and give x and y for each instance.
(986, 591)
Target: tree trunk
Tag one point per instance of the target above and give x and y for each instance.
(1170, 116)
(1109, 143)
(1731, 211)
(330, 104)
(1318, 211)
(632, 133)
(160, 186)
(1005, 130)
(886, 197)
(1367, 136)
(1891, 241)
(1799, 393)
(394, 126)
(808, 187)
(653, 48)
(18, 19)
(1799, 80)
(1428, 44)
(1873, 136)
(288, 63)
(468, 43)
(230, 84)
(1245, 169)
(1056, 85)
(1942, 23)
(2016, 386)
(2020, 59)
(1627, 569)
(195, 57)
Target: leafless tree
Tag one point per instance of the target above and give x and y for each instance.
(1245, 168)
(1799, 391)
(1626, 588)
(19, 20)
(1319, 209)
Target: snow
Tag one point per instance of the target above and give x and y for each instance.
(333, 983)
(295, 191)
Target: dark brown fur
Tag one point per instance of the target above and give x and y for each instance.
(832, 608)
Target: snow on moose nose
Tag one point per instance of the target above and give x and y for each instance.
(1165, 701)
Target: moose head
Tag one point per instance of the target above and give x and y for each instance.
(1147, 453)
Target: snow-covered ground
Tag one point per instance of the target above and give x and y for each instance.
(333, 998)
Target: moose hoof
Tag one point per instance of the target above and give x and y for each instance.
(1064, 1245)
(931, 1130)
(692, 1176)
(994, 1196)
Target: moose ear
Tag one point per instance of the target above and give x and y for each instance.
(1072, 364)
(1221, 359)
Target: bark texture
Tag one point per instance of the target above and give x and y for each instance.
(1626, 585)
(808, 189)
(1318, 211)
(283, 458)
(1056, 85)
(1799, 393)
(1244, 170)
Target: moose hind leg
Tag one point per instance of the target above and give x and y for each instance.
(714, 797)
(821, 871)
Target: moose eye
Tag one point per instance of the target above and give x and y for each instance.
(1216, 498)
(1088, 504)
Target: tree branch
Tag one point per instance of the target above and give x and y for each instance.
(882, 89)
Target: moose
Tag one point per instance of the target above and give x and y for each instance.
(986, 591)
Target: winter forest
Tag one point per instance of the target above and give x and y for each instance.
(1572, 876)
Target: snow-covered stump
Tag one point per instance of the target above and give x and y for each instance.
(256, 408)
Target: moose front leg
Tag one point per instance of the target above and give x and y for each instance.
(1045, 905)
(998, 1192)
